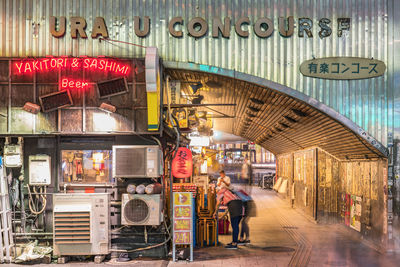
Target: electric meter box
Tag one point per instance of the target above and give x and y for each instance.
(12, 156)
(39, 170)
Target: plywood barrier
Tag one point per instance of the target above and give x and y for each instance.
(324, 187)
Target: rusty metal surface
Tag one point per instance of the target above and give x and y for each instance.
(24, 31)
(84, 117)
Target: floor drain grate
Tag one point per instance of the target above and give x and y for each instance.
(290, 227)
(278, 249)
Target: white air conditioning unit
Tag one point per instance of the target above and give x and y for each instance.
(141, 209)
(136, 161)
(81, 224)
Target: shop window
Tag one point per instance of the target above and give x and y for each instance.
(86, 166)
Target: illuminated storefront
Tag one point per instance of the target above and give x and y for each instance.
(77, 79)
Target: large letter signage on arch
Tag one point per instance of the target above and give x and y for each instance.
(182, 164)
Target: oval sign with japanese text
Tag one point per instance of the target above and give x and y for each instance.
(343, 68)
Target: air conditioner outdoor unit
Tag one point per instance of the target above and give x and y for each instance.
(141, 209)
(81, 224)
(136, 161)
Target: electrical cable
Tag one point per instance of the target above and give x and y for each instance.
(118, 229)
(171, 117)
(38, 195)
(175, 150)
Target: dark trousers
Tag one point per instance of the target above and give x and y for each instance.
(245, 228)
(235, 228)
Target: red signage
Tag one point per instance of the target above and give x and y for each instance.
(56, 63)
(69, 83)
(182, 164)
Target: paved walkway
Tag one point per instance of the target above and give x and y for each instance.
(281, 236)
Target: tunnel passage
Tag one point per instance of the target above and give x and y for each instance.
(276, 121)
(329, 164)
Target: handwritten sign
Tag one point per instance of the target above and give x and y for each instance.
(182, 224)
(343, 68)
(181, 238)
(182, 199)
(183, 218)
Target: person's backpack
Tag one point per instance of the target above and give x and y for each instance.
(243, 195)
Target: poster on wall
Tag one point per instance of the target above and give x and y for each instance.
(355, 213)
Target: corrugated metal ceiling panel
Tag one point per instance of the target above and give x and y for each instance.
(280, 124)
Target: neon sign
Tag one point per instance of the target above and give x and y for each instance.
(59, 63)
(68, 83)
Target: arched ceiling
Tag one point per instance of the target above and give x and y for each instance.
(276, 121)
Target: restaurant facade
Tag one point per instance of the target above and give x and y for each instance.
(81, 82)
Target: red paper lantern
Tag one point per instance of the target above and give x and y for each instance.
(182, 164)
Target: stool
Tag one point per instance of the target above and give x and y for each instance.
(207, 231)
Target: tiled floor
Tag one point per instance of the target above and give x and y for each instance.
(282, 236)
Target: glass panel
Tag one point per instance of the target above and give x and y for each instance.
(86, 166)
(100, 121)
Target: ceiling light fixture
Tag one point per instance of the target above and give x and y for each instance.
(107, 107)
(299, 112)
(31, 108)
(256, 101)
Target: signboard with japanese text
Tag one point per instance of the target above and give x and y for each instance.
(343, 68)
(175, 92)
(183, 220)
(182, 115)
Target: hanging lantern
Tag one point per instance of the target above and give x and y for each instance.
(182, 164)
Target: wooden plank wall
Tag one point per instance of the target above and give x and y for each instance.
(317, 177)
